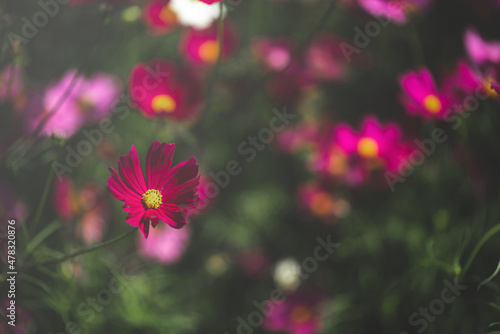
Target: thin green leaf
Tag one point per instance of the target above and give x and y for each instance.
(490, 278)
(37, 282)
(495, 306)
(494, 230)
(44, 234)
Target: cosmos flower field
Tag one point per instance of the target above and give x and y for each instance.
(250, 166)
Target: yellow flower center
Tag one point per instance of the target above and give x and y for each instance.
(322, 204)
(367, 147)
(167, 15)
(209, 51)
(85, 103)
(301, 314)
(432, 104)
(151, 199)
(489, 89)
(163, 103)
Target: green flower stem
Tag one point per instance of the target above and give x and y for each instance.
(85, 251)
(494, 230)
(43, 201)
(220, 33)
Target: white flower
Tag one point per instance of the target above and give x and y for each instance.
(287, 274)
(195, 13)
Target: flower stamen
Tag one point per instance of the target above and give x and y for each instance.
(152, 199)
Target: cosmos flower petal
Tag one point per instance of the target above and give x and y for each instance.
(158, 162)
(179, 174)
(118, 189)
(130, 171)
(183, 194)
(134, 217)
(174, 219)
(346, 138)
(144, 227)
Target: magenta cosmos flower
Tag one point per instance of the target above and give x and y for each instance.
(376, 146)
(304, 135)
(166, 194)
(467, 80)
(274, 53)
(324, 59)
(421, 95)
(159, 17)
(164, 90)
(398, 11)
(201, 47)
(288, 86)
(254, 262)
(300, 313)
(479, 50)
(164, 245)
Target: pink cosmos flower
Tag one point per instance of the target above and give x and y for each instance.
(159, 17)
(467, 81)
(332, 162)
(164, 90)
(65, 202)
(93, 224)
(352, 156)
(479, 50)
(164, 245)
(303, 135)
(324, 59)
(201, 47)
(421, 96)
(254, 262)
(69, 202)
(300, 313)
(166, 194)
(398, 11)
(321, 203)
(85, 205)
(287, 87)
(73, 102)
(375, 141)
(274, 53)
